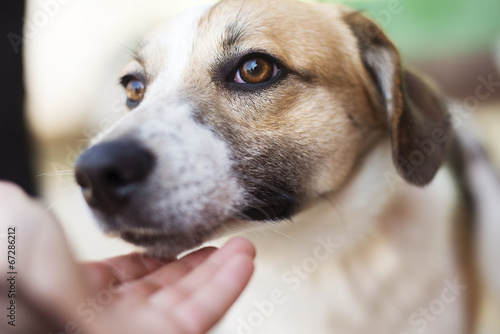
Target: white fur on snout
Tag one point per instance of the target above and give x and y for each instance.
(192, 185)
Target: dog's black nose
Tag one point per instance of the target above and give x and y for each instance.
(110, 172)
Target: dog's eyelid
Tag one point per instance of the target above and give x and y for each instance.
(231, 65)
(124, 80)
(279, 70)
(261, 54)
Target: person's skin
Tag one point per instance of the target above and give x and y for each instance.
(132, 293)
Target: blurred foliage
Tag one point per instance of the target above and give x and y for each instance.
(435, 28)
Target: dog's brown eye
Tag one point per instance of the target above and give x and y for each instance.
(135, 90)
(256, 70)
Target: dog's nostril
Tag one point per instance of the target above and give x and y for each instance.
(110, 172)
(84, 183)
(81, 179)
(114, 178)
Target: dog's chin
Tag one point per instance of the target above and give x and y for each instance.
(161, 240)
(167, 240)
(162, 244)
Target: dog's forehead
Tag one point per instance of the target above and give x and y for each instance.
(169, 47)
(288, 29)
(301, 35)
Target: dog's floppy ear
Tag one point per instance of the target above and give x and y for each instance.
(416, 114)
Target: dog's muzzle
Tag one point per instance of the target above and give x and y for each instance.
(109, 173)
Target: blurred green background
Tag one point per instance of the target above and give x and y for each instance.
(430, 29)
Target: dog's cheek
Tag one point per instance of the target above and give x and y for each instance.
(281, 171)
(274, 173)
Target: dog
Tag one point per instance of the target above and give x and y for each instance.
(296, 125)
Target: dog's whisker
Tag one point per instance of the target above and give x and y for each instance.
(61, 197)
(340, 214)
(57, 173)
(269, 186)
(122, 47)
(282, 233)
(261, 208)
(255, 18)
(239, 11)
(88, 140)
(264, 213)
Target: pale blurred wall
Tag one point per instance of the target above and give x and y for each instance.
(75, 50)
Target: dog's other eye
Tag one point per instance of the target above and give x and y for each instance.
(135, 90)
(256, 70)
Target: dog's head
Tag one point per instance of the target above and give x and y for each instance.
(247, 110)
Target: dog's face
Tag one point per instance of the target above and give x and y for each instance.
(244, 112)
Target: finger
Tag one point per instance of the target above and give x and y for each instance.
(169, 296)
(200, 274)
(205, 307)
(121, 269)
(166, 275)
(175, 270)
(194, 259)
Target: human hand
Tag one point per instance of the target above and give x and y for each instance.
(184, 296)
